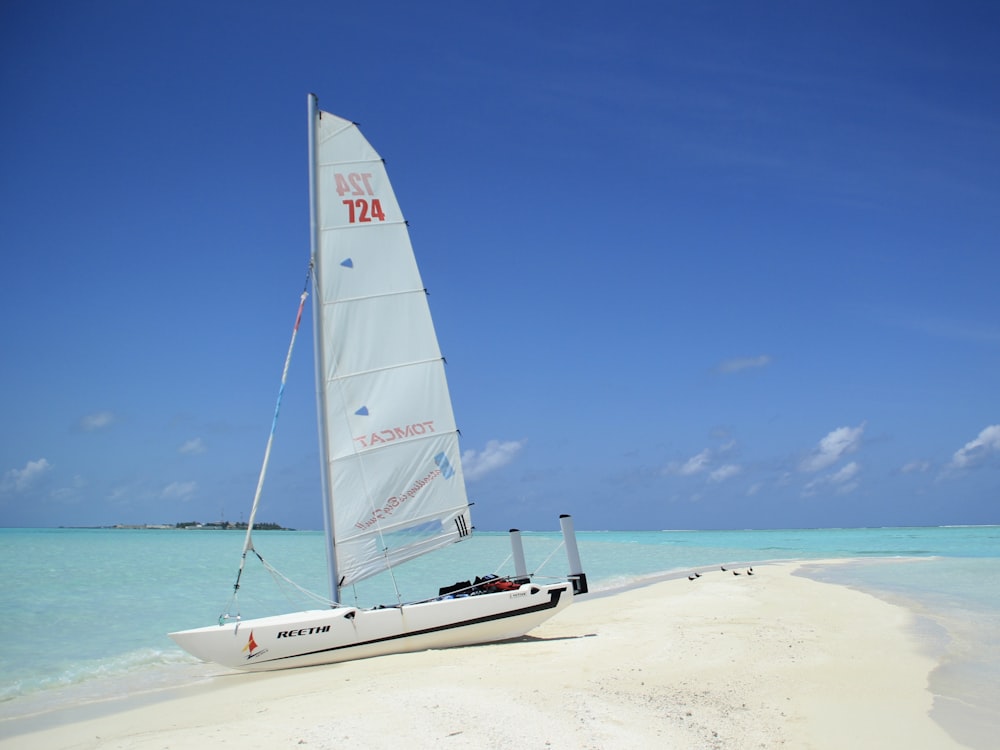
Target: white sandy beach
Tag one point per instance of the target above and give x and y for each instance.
(764, 661)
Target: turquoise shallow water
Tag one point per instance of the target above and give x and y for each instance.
(86, 612)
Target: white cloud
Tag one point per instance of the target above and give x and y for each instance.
(976, 451)
(96, 421)
(703, 462)
(916, 467)
(845, 473)
(695, 464)
(744, 363)
(18, 480)
(495, 455)
(843, 480)
(837, 443)
(179, 490)
(196, 445)
(724, 472)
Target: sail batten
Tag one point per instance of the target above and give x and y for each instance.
(395, 487)
(387, 367)
(375, 296)
(351, 163)
(363, 449)
(400, 222)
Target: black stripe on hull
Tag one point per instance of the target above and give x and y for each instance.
(553, 601)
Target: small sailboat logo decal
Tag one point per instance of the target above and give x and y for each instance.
(253, 648)
(251, 644)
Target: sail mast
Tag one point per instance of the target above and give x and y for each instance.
(314, 241)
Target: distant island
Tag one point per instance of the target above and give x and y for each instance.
(226, 525)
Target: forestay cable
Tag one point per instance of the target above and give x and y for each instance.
(248, 541)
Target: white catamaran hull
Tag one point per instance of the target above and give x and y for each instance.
(327, 636)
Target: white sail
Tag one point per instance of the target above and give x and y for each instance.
(393, 475)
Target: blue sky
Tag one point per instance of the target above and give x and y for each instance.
(692, 265)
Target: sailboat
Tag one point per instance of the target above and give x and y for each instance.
(392, 482)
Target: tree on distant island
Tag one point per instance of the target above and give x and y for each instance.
(229, 525)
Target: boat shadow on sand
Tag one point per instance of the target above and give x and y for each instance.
(541, 639)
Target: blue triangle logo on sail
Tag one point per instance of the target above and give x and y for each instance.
(347, 263)
(362, 412)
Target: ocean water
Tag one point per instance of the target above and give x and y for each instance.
(86, 611)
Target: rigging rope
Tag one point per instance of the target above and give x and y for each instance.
(248, 541)
(546, 560)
